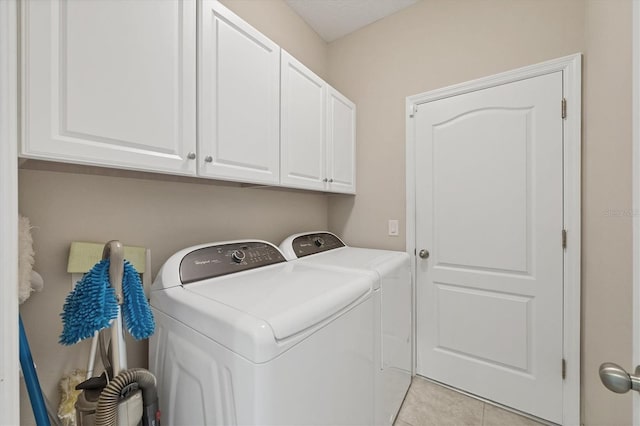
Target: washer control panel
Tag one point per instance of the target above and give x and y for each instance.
(319, 242)
(223, 259)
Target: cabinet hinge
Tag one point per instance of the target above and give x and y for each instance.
(564, 108)
(413, 109)
(564, 369)
(564, 238)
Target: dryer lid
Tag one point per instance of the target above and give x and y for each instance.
(288, 297)
(359, 258)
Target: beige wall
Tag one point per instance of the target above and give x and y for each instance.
(72, 203)
(606, 191)
(436, 43)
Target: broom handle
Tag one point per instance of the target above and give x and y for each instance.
(31, 380)
(114, 251)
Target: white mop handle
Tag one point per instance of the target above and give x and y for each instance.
(92, 355)
(118, 345)
(114, 250)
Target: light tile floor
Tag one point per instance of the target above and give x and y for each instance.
(429, 404)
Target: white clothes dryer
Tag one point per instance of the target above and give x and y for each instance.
(245, 338)
(392, 307)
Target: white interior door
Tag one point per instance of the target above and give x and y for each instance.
(489, 209)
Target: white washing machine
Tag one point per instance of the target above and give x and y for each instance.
(245, 338)
(392, 307)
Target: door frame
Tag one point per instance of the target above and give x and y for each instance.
(635, 96)
(571, 67)
(9, 379)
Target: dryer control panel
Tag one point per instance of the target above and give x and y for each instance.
(223, 259)
(308, 244)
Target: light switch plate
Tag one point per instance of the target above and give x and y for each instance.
(393, 227)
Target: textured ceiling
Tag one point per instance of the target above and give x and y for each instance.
(333, 19)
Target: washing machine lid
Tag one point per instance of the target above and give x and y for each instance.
(289, 298)
(260, 311)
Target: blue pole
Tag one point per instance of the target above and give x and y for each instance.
(31, 380)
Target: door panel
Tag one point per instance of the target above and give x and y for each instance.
(504, 317)
(489, 209)
(461, 184)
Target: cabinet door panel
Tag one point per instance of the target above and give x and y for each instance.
(110, 83)
(341, 143)
(239, 99)
(302, 115)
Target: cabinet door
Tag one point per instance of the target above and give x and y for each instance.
(110, 83)
(302, 128)
(341, 143)
(239, 99)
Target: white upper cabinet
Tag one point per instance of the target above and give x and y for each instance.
(341, 143)
(130, 83)
(317, 141)
(239, 99)
(110, 83)
(302, 118)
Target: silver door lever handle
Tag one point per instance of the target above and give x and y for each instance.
(616, 379)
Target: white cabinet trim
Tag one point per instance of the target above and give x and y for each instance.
(635, 94)
(9, 361)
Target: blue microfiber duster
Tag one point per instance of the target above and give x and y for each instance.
(92, 305)
(135, 308)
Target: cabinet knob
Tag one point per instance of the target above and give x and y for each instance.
(208, 159)
(325, 180)
(191, 156)
(330, 180)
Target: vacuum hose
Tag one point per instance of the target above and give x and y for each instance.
(107, 409)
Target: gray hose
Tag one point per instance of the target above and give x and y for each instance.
(107, 409)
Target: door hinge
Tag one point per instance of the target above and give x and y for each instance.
(564, 369)
(564, 108)
(564, 238)
(413, 109)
